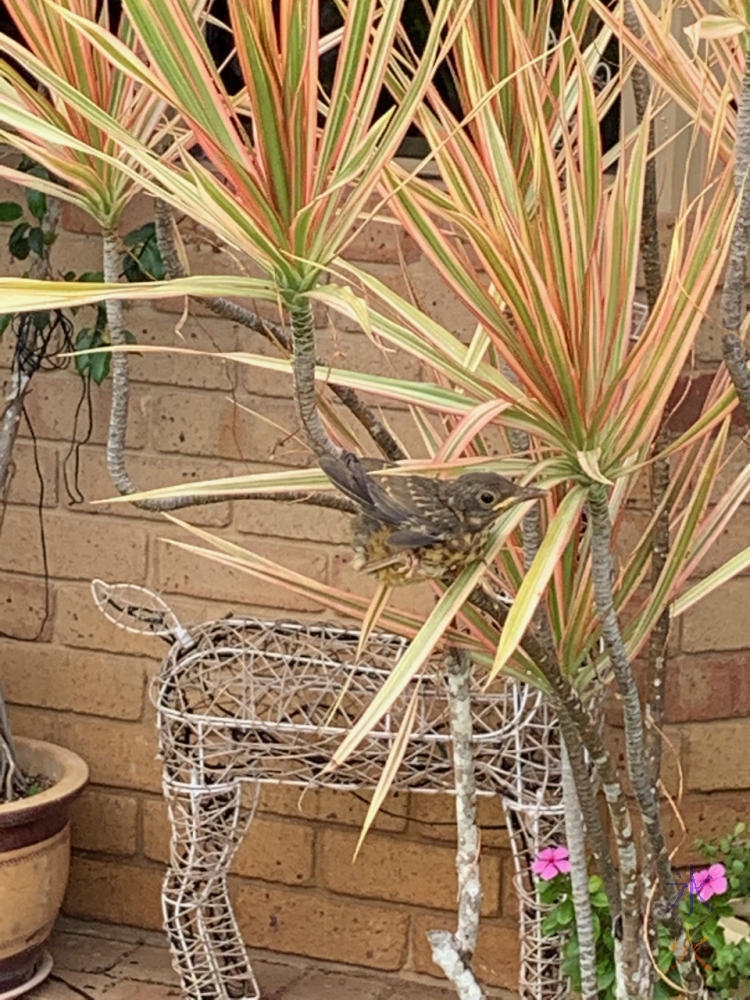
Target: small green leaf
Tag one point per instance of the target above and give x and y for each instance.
(99, 367)
(18, 244)
(5, 321)
(10, 211)
(36, 240)
(41, 320)
(140, 235)
(91, 277)
(37, 202)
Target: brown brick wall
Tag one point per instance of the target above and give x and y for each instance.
(84, 683)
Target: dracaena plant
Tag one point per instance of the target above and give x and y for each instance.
(553, 358)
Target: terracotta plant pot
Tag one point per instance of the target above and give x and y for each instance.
(34, 863)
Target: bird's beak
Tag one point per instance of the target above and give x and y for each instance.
(529, 493)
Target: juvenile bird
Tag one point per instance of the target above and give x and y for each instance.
(415, 527)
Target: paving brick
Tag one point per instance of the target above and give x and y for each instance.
(120, 754)
(311, 923)
(334, 986)
(73, 680)
(350, 808)
(733, 539)
(435, 297)
(114, 892)
(708, 817)
(720, 621)
(128, 989)
(84, 953)
(737, 455)
(614, 739)
(381, 238)
(106, 822)
(78, 622)
(434, 816)
(181, 572)
(26, 608)
(55, 400)
(705, 686)
(77, 547)
(273, 850)
(717, 755)
(688, 397)
(208, 336)
(496, 960)
(34, 723)
(291, 520)
(399, 871)
(148, 963)
(149, 472)
(195, 422)
(25, 486)
(508, 896)
(274, 978)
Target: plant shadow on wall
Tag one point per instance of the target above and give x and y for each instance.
(553, 378)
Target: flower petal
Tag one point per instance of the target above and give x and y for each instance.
(561, 854)
(719, 885)
(717, 871)
(548, 854)
(563, 865)
(549, 872)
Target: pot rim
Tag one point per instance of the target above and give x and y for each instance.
(75, 776)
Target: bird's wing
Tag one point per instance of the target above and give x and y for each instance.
(349, 475)
(407, 538)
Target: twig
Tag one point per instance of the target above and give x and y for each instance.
(454, 952)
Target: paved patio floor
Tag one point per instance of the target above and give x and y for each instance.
(94, 961)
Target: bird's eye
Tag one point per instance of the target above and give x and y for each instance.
(487, 498)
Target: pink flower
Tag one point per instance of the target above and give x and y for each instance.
(550, 862)
(709, 882)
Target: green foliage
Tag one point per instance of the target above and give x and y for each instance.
(561, 920)
(143, 259)
(729, 961)
(10, 211)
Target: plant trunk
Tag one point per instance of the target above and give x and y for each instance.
(735, 356)
(454, 952)
(303, 335)
(275, 334)
(579, 878)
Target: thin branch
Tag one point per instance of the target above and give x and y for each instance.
(454, 952)
(735, 356)
(272, 332)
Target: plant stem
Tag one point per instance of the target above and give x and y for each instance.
(303, 334)
(579, 880)
(454, 952)
(275, 334)
(735, 356)
(118, 421)
(602, 571)
(578, 730)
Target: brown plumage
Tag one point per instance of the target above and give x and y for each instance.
(415, 527)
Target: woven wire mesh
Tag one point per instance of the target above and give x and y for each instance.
(245, 701)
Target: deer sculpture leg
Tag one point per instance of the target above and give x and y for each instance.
(208, 824)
